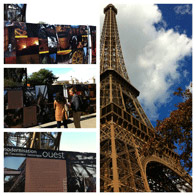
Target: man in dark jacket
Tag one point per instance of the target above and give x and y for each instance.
(76, 108)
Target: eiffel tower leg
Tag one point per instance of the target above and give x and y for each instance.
(133, 186)
(144, 177)
(114, 160)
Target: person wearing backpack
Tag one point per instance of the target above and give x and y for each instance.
(76, 106)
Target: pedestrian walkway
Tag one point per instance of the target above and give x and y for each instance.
(87, 121)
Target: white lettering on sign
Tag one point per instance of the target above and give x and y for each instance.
(55, 155)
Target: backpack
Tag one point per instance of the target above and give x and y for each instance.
(83, 103)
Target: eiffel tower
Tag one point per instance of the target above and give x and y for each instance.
(126, 130)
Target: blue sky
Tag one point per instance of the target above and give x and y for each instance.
(179, 18)
(59, 70)
(13, 162)
(78, 141)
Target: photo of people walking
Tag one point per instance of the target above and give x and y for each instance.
(49, 98)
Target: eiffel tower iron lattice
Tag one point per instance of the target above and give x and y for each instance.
(125, 129)
(35, 140)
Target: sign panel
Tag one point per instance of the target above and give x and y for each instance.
(32, 153)
(15, 99)
(52, 175)
(29, 116)
(32, 170)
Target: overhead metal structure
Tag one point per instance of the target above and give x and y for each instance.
(36, 140)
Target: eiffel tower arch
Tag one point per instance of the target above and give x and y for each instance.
(125, 130)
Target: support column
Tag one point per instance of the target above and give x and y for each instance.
(144, 178)
(110, 83)
(130, 169)
(114, 160)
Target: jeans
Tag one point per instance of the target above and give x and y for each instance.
(64, 123)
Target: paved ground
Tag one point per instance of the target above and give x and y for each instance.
(87, 121)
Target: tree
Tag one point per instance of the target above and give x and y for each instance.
(14, 77)
(42, 77)
(177, 128)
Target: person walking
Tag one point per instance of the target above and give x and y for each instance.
(60, 108)
(76, 107)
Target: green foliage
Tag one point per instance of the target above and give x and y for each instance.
(10, 83)
(41, 22)
(14, 77)
(42, 77)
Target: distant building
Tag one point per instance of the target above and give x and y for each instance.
(61, 82)
(74, 81)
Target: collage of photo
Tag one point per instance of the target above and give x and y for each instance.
(98, 97)
(50, 98)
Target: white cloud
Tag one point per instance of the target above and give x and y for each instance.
(161, 24)
(183, 9)
(151, 55)
(185, 73)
